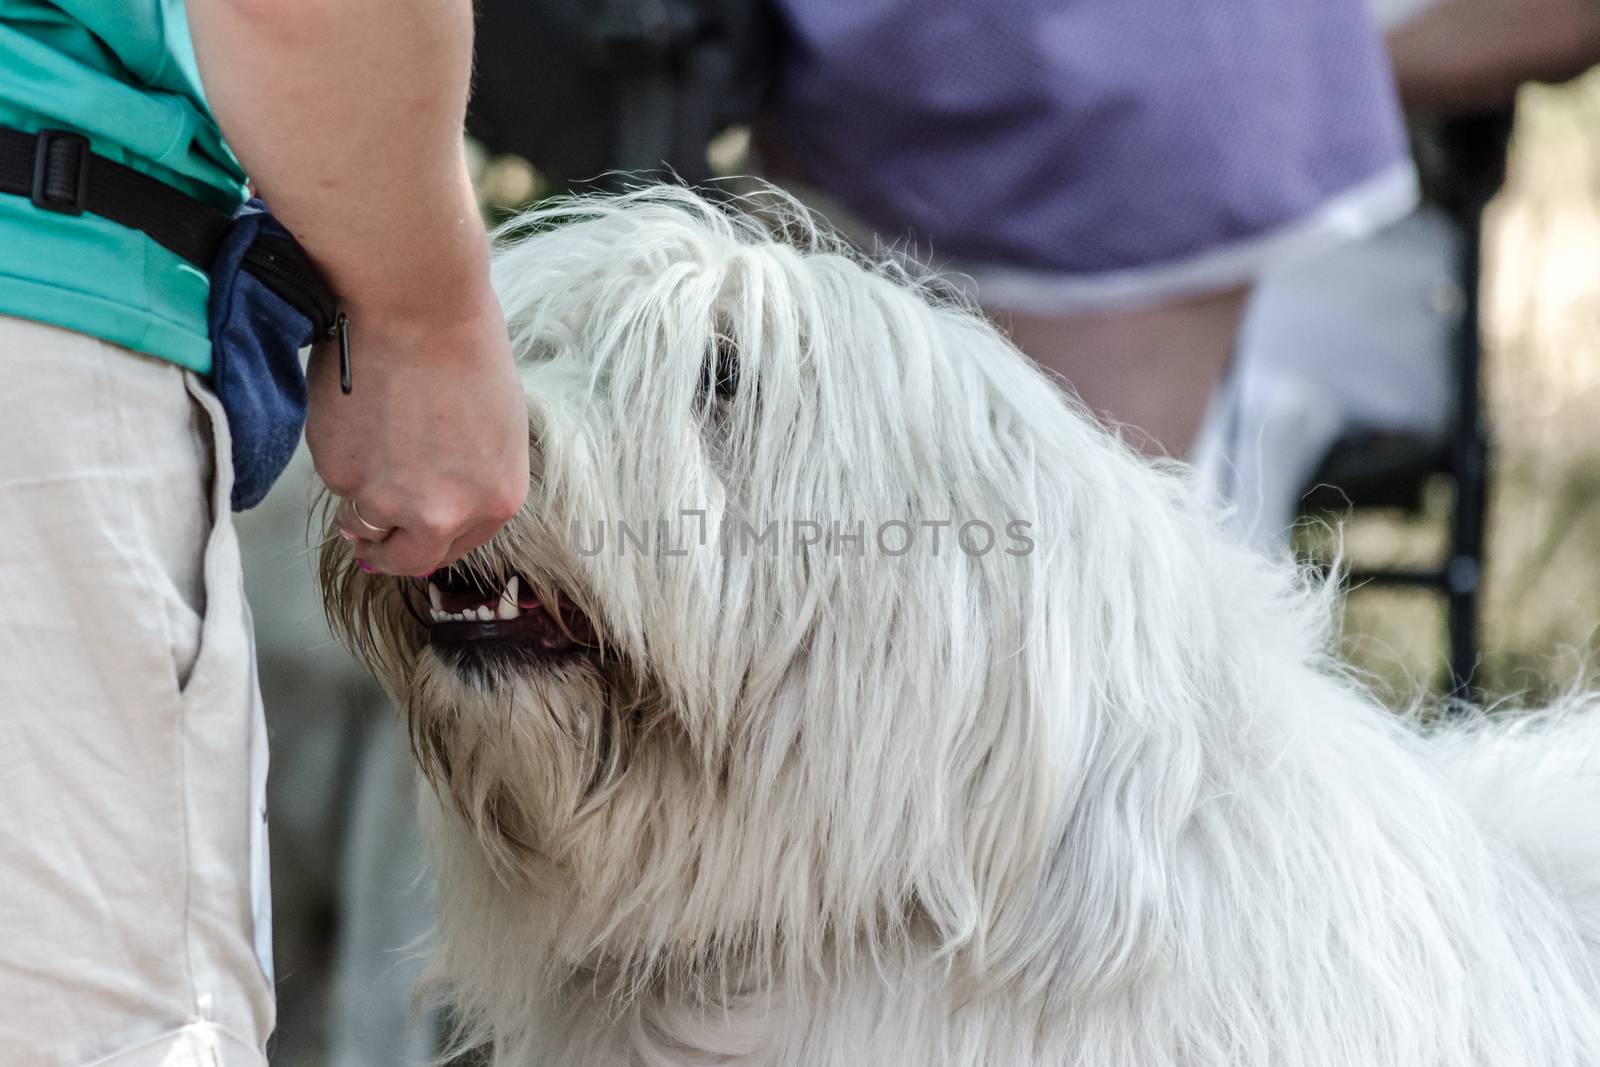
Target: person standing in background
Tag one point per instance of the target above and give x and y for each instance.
(1110, 174)
(134, 911)
(1360, 343)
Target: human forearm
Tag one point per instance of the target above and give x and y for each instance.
(1465, 55)
(347, 116)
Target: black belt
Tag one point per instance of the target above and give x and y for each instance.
(57, 172)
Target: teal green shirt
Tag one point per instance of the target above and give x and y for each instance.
(121, 73)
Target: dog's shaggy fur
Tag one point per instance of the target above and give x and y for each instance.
(1107, 802)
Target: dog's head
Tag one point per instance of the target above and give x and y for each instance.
(764, 660)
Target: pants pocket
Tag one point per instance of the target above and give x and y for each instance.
(226, 747)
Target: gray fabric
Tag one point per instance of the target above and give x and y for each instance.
(344, 833)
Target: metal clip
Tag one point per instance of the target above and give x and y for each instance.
(341, 328)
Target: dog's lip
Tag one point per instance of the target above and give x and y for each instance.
(461, 612)
(537, 629)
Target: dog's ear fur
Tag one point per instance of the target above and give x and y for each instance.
(379, 619)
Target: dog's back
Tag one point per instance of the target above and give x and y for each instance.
(1535, 780)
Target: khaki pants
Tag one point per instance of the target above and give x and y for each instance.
(134, 915)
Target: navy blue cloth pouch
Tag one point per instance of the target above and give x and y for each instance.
(267, 303)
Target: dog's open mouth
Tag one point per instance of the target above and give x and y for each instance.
(463, 612)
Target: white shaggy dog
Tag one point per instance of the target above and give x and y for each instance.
(845, 696)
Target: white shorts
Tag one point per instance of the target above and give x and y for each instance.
(134, 914)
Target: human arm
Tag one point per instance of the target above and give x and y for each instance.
(1466, 55)
(348, 118)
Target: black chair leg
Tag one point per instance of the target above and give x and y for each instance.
(1479, 145)
(1464, 573)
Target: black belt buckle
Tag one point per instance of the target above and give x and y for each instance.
(55, 174)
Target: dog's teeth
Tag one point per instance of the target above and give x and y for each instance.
(485, 613)
(508, 608)
(438, 616)
(435, 598)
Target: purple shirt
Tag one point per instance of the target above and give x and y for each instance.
(1083, 137)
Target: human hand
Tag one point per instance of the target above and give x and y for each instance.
(432, 443)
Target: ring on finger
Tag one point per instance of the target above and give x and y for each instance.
(378, 533)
